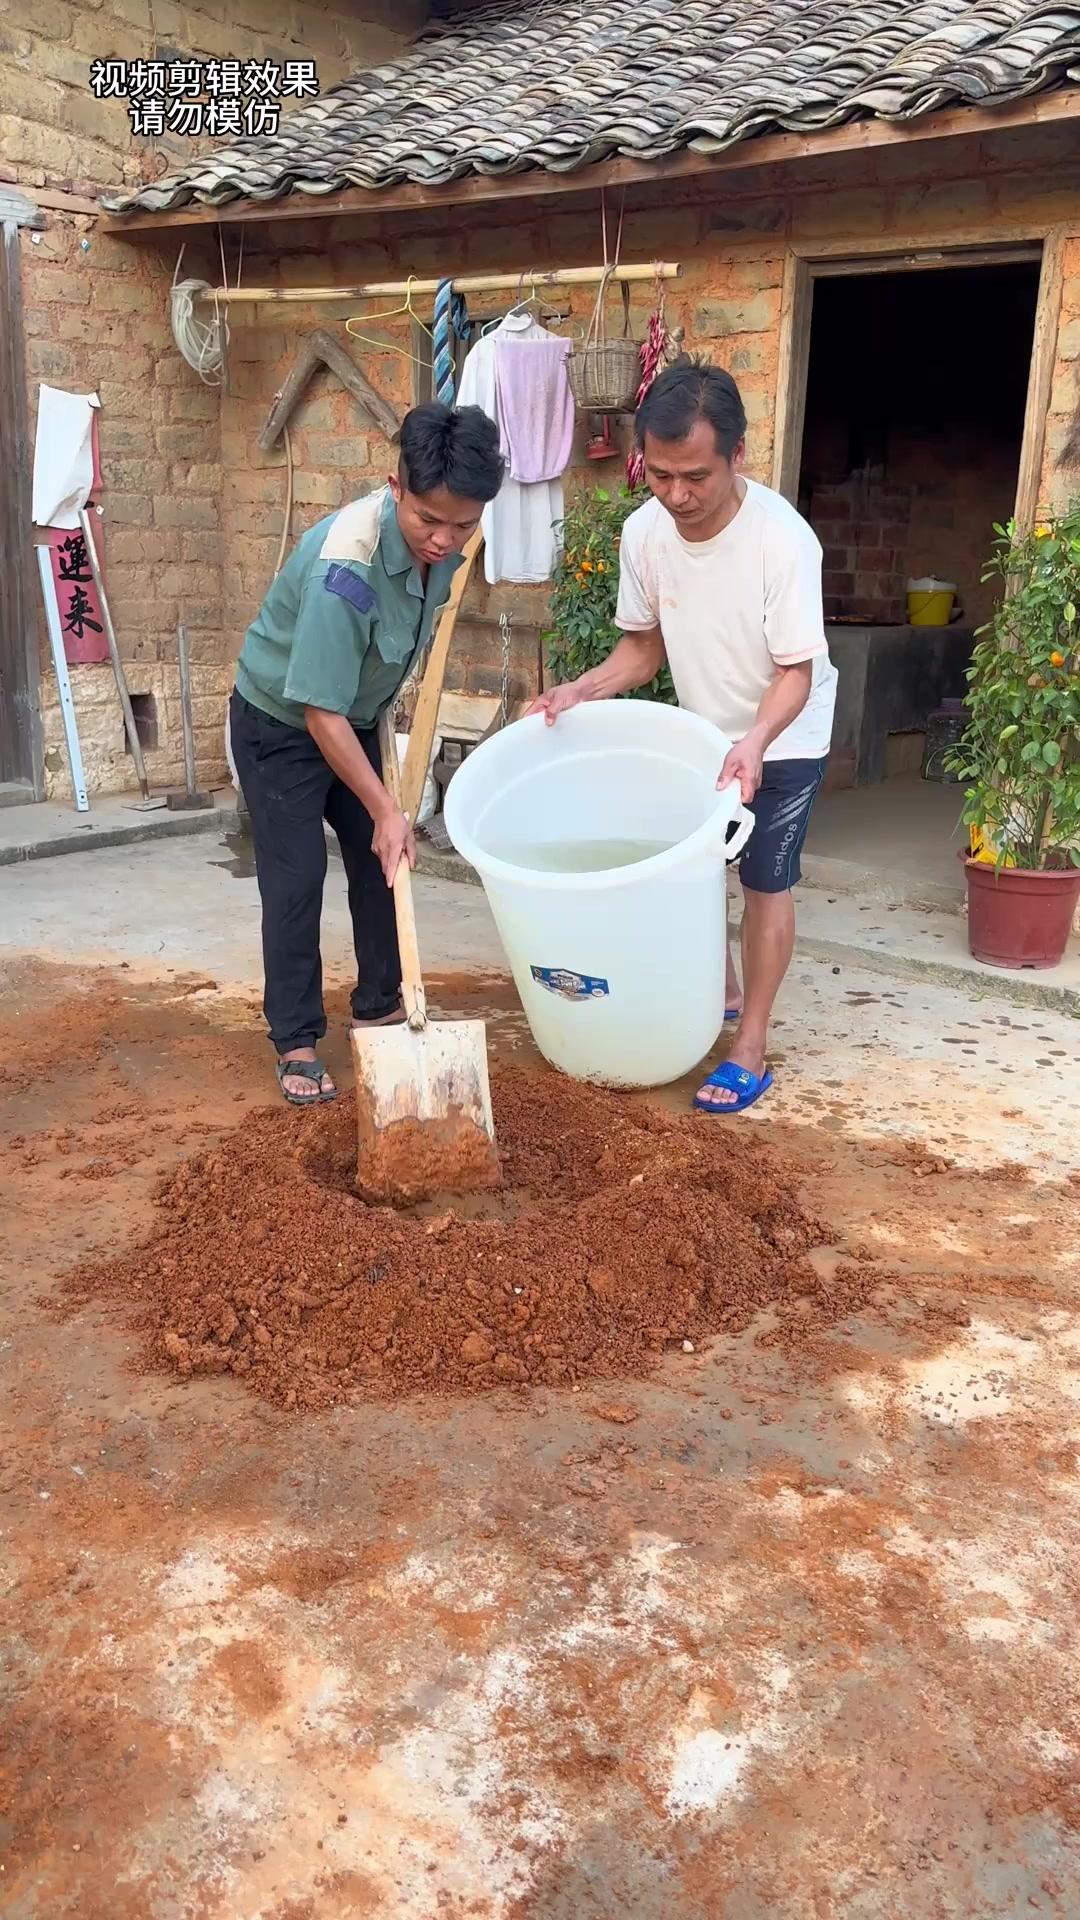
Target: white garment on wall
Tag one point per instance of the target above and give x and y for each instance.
(522, 524)
(63, 456)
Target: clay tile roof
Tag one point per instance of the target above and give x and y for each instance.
(556, 84)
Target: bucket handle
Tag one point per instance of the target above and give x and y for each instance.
(734, 846)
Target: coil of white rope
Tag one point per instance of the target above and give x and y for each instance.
(200, 341)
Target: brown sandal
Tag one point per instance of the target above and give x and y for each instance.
(304, 1070)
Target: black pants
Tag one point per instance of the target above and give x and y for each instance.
(289, 791)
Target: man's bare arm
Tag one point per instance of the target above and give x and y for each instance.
(781, 703)
(635, 659)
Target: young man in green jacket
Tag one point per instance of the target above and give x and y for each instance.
(331, 645)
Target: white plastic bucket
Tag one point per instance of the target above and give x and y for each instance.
(621, 971)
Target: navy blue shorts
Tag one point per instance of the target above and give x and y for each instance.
(781, 809)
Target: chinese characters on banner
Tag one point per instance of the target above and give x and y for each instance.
(77, 597)
(81, 621)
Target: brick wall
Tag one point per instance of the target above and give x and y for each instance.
(204, 510)
(880, 530)
(864, 526)
(54, 133)
(732, 245)
(96, 318)
(728, 302)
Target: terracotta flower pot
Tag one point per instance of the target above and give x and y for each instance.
(1018, 917)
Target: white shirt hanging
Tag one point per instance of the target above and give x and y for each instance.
(522, 525)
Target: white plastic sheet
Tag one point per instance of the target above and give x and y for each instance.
(63, 456)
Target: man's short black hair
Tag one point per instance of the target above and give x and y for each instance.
(452, 447)
(690, 391)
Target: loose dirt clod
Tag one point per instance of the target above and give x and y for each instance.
(412, 1159)
(619, 1231)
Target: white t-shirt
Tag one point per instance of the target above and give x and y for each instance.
(732, 609)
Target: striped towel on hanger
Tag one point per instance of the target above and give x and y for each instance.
(451, 317)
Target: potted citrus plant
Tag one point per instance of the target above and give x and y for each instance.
(585, 588)
(1020, 752)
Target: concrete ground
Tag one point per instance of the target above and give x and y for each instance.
(47, 828)
(906, 825)
(875, 853)
(795, 1637)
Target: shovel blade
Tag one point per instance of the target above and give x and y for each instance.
(423, 1112)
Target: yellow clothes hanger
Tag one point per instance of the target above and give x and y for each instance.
(391, 313)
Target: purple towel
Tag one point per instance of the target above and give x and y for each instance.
(536, 407)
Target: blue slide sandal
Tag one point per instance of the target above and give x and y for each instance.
(732, 1013)
(740, 1081)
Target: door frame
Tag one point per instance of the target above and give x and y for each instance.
(808, 262)
(20, 673)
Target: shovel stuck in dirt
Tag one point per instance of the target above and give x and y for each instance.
(423, 1102)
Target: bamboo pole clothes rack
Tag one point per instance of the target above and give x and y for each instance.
(464, 283)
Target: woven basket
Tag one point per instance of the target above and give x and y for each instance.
(604, 377)
(605, 374)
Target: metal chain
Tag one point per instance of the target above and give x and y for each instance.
(506, 621)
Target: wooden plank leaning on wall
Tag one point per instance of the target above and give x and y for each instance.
(1040, 379)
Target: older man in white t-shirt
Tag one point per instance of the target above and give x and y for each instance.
(722, 578)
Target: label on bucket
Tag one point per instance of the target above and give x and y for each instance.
(570, 986)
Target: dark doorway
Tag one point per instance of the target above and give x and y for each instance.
(915, 398)
(917, 385)
(917, 382)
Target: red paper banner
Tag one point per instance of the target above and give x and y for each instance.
(81, 621)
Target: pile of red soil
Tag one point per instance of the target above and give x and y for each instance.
(619, 1230)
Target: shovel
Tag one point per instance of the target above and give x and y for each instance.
(147, 804)
(192, 798)
(423, 1102)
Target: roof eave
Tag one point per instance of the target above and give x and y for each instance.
(311, 200)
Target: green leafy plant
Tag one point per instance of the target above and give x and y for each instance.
(586, 588)
(1020, 752)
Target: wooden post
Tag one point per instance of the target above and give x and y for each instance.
(22, 766)
(1040, 378)
(183, 663)
(463, 283)
(426, 712)
(796, 304)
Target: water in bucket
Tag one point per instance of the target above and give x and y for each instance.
(580, 856)
(602, 844)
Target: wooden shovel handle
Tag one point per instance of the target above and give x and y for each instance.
(412, 981)
(422, 732)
